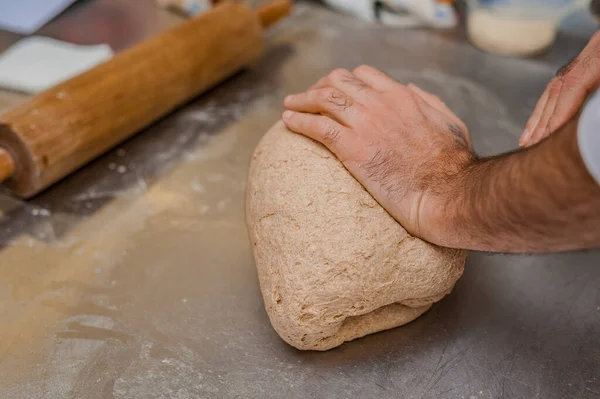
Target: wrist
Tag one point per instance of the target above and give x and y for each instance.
(535, 200)
(447, 222)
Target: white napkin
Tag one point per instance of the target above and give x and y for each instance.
(37, 63)
(27, 16)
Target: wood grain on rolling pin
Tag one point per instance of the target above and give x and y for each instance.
(7, 165)
(273, 11)
(56, 132)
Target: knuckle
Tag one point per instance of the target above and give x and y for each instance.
(336, 98)
(572, 81)
(362, 68)
(322, 96)
(351, 79)
(410, 93)
(327, 95)
(438, 99)
(329, 133)
(339, 74)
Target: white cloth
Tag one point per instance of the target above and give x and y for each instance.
(401, 13)
(589, 135)
(27, 16)
(37, 63)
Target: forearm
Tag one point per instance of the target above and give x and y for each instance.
(542, 199)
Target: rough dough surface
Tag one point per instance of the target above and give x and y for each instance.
(333, 265)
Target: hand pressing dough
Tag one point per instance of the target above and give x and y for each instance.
(333, 265)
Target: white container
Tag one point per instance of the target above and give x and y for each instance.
(517, 27)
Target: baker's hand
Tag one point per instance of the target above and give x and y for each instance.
(565, 95)
(403, 144)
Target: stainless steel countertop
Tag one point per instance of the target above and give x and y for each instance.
(134, 278)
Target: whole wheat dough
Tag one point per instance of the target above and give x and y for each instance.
(333, 265)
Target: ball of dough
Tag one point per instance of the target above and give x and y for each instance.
(333, 265)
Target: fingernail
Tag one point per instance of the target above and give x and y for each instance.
(287, 114)
(288, 99)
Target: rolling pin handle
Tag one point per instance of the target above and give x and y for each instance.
(7, 165)
(273, 11)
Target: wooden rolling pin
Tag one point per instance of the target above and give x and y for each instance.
(63, 128)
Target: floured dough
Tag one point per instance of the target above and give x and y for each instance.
(333, 265)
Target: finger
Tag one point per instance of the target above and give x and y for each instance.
(431, 99)
(574, 83)
(320, 84)
(578, 82)
(568, 104)
(375, 78)
(438, 112)
(541, 130)
(535, 118)
(437, 103)
(320, 128)
(348, 83)
(325, 81)
(329, 101)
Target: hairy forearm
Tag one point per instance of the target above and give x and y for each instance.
(537, 200)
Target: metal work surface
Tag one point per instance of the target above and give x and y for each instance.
(133, 278)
